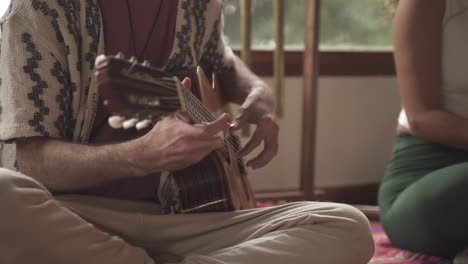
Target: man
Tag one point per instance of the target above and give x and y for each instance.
(78, 203)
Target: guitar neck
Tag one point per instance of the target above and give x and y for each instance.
(192, 106)
(137, 91)
(187, 101)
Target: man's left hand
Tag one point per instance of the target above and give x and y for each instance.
(258, 109)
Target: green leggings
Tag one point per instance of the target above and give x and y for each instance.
(424, 197)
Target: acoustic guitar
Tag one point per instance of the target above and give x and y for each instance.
(138, 95)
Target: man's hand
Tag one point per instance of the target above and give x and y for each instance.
(174, 143)
(258, 109)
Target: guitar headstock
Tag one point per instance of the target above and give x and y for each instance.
(136, 94)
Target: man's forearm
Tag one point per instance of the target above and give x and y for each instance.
(63, 166)
(439, 126)
(240, 82)
(257, 102)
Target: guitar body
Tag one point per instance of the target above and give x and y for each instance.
(215, 184)
(218, 182)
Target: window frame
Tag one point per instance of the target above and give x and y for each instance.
(312, 63)
(331, 63)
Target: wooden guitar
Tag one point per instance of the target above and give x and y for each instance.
(138, 95)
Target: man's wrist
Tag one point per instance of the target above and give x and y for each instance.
(129, 154)
(264, 95)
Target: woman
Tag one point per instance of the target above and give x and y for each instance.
(423, 196)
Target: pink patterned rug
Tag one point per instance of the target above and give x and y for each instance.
(385, 253)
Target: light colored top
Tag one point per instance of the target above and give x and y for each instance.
(48, 49)
(454, 60)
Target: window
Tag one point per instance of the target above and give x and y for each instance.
(357, 24)
(345, 24)
(355, 36)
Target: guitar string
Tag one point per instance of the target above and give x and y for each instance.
(206, 114)
(199, 112)
(170, 84)
(203, 115)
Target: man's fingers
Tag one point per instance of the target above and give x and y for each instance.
(269, 152)
(240, 119)
(267, 131)
(205, 147)
(219, 125)
(184, 117)
(253, 143)
(187, 83)
(216, 143)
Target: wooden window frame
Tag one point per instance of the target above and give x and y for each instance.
(311, 64)
(331, 63)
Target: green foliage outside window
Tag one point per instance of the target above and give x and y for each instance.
(345, 24)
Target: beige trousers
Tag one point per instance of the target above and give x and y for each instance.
(36, 228)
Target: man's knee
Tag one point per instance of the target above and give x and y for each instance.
(15, 189)
(8, 181)
(356, 229)
(348, 226)
(9, 178)
(339, 226)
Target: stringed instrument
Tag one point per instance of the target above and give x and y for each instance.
(138, 95)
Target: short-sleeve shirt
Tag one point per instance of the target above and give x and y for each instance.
(48, 50)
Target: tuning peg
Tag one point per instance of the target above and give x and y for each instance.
(120, 55)
(146, 63)
(143, 124)
(99, 59)
(129, 123)
(133, 59)
(116, 122)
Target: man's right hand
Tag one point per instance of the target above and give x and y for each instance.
(174, 143)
